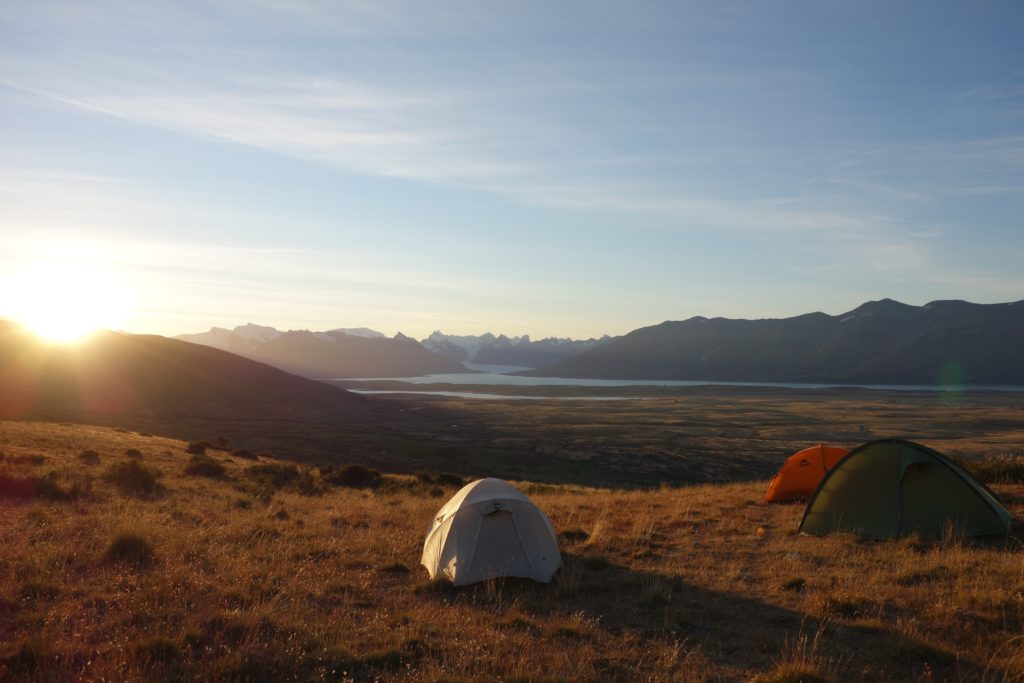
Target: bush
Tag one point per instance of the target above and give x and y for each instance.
(350, 475)
(161, 650)
(35, 487)
(31, 656)
(133, 453)
(197, 447)
(441, 479)
(273, 474)
(305, 483)
(130, 548)
(245, 455)
(89, 457)
(204, 466)
(47, 487)
(132, 478)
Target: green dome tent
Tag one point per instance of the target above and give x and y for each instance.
(891, 488)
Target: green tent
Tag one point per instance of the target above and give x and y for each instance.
(891, 488)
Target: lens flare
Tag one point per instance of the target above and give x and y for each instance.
(61, 301)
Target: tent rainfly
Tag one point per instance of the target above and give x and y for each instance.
(802, 472)
(892, 488)
(490, 529)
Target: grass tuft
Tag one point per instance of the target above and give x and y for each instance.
(89, 457)
(350, 475)
(130, 548)
(133, 478)
(202, 465)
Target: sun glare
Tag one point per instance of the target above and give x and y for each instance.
(62, 302)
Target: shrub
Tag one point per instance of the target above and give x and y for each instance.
(47, 487)
(33, 487)
(202, 465)
(89, 457)
(306, 483)
(130, 548)
(441, 479)
(196, 447)
(350, 475)
(34, 590)
(273, 474)
(133, 453)
(245, 455)
(31, 655)
(796, 583)
(132, 478)
(161, 650)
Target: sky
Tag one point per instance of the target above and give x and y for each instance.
(555, 169)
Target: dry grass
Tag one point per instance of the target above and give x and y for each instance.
(237, 578)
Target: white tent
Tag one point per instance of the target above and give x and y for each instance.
(490, 529)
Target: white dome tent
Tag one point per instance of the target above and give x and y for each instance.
(490, 529)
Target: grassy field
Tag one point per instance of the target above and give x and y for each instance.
(128, 558)
(685, 435)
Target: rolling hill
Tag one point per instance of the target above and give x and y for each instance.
(112, 377)
(127, 558)
(880, 342)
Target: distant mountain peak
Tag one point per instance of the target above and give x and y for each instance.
(521, 351)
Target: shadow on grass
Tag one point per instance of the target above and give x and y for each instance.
(733, 630)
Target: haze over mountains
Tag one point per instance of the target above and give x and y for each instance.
(362, 352)
(486, 349)
(357, 352)
(879, 342)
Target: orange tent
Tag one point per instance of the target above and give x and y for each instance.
(801, 473)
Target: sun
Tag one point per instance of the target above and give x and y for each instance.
(62, 301)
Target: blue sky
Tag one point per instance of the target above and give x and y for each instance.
(568, 169)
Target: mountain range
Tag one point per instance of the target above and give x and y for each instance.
(487, 349)
(879, 342)
(362, 352)
(345, 352)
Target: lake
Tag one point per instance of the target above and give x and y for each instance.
(490, 375)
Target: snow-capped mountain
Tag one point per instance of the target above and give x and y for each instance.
(248, 336)
(487, 349)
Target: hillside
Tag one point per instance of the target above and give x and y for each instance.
(263, 571)
(122, 376)
(354, 352)
(880, 342)
(169, 387)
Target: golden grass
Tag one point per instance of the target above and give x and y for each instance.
(688, 584)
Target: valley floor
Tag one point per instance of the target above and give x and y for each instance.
(278, 574)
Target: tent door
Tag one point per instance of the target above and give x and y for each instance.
(498, 549)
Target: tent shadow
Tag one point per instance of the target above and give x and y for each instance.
(731, 629)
